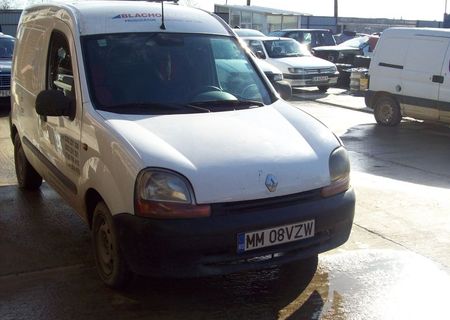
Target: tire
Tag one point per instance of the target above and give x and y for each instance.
(323, 89)
(27, 177)
(387, 111)
(111, 265)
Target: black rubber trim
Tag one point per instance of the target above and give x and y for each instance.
(414, 101)
(388, 65)
(57, 173)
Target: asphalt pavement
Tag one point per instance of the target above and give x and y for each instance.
(396, 264)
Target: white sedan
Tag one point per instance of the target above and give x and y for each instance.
(300, 68)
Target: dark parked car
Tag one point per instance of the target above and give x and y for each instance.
(248, 32)
(6, 52)
(350, 54)
(345, 52)
(310, 37)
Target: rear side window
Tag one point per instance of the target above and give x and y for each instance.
(60, 73)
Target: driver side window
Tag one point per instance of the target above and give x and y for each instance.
(60, 73)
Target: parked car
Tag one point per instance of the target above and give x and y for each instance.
(345, 52)
(409, 76)
(248, 32)
(6, 53)
(310, 37)
(275, 77)
(299, 67)
(345, 35)
(178, 154)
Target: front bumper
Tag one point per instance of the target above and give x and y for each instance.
(297, 80)
(208, 246)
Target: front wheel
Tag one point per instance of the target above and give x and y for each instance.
(111, 265)
(27, 177)
(387, 111)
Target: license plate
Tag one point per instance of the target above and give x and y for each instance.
(5, 93)
(273, 236)
(320, 78)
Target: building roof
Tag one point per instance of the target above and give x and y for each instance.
(258, 9)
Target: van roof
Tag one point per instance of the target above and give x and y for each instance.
(99, 17)
(416, 32)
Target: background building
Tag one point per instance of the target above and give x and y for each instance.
(268, 19)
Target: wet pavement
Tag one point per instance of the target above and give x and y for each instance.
(362, 284)
(396, 264)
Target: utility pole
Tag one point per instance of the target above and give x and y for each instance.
(248, 2)
(336, 8)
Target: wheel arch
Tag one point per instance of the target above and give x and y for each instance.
(91, 199)
(13, 131)
(381, 94)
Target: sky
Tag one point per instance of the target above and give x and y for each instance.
(405, 9)
(392, 9)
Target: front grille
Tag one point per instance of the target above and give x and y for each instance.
(5, 80)
(256, 205)
(319, 70)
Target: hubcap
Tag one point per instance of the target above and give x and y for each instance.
(105, 248)
(386, 113)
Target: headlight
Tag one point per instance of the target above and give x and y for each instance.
(277, 77)
(164, 194)
(297, 70)
(339, 165)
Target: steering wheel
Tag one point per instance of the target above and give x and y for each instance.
(247, 91)
(204, 89)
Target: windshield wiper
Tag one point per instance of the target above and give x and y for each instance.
(226, 104)
(152, 108)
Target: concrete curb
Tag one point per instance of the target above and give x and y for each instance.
(366, 110)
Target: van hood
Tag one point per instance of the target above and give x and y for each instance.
(227, 156)
(301, 62)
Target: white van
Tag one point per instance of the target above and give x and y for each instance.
(170, 143)
(410, 76)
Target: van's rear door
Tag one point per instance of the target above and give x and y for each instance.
(444, 90)
(422, 76)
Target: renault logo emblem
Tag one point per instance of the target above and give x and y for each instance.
(271, 183)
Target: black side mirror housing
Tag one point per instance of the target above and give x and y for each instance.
(54, 103)
(260, 54)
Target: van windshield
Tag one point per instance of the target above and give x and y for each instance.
(173, 73)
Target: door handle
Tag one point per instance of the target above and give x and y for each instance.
(438, 79)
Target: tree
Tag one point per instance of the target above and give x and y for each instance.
(5, 4)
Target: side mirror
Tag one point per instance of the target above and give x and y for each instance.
(54, 103)
(284, 89)
(260, 54)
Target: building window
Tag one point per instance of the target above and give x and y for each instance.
(246, 19)
(258, 21)
(274, 23)
(290, 22)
